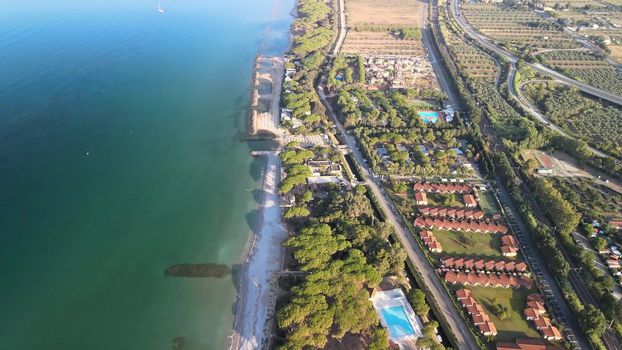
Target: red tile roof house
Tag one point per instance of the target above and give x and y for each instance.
(449, 212)
(469, 201)
(542, 322)
(463, 294)
(531, 314)
(442, 188)
(536, 297)
(537, 306)
(487, 329)
(475, 309)
(466, 302)
(421, 198)
(527, 344)
(480, 318)
(435, 247)
(551, 333)
(509, 251)
(459, 225)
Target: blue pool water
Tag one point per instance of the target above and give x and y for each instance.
(429, 116)
(398, 323)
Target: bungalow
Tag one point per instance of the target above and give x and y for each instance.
(527, 344)
(487, 329)
(469, 201)
(509, 240)
(421, 198)
(542, 323)
(463, 293)
(475, 309)
(469, 301)
(442, 188)
(509, 251)
(531, 314)
(480, 319)
(520, 267)
(435, 247)
(551, 333)
(537, 306)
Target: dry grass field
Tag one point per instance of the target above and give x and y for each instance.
(616, 52)
(393, 12)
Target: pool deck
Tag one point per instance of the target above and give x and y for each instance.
(395, 297)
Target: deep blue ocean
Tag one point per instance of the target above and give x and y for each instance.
(122, 152)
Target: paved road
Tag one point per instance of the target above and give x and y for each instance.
(444, 303)
(341, 27)
(484, 41)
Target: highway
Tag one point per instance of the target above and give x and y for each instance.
(484, 41)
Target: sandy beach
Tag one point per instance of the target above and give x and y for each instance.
(257, 294)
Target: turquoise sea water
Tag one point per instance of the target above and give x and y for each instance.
(122, 152)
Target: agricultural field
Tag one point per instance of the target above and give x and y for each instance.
(380, 43)
(514, 325)
(394, 13)
(597, 123)
(585, 66)
(472, 61)
(595, 200)
(377, 27)
(572, 3)
(486, 245)
(521, 28)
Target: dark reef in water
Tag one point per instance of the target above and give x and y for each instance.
(198, 270)
(179, 343)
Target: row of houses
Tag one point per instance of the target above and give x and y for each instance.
(479, 264)
(479, 317)
(527, 344)
(430, 241)
(442, 187)
(487, 280)
(509, 246)
(535, 311)
(454, 213)
(460, 225)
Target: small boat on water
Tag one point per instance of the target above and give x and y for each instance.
(160, 9)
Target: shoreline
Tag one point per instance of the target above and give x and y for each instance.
(263, 253)
(256, 296)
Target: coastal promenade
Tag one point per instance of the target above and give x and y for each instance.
(256, 298)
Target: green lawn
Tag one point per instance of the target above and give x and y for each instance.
(515, 326)
(469, 243)
(488, 203)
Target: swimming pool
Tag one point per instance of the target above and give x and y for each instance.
(429, 116)
(396, 320)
